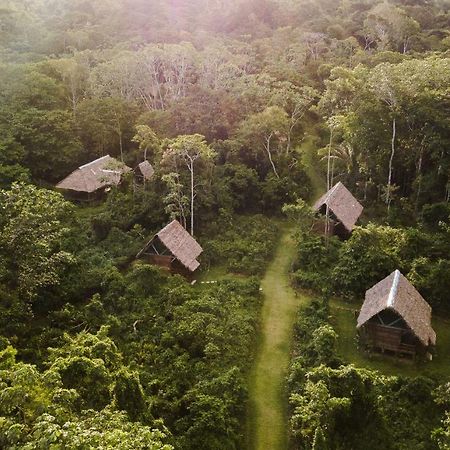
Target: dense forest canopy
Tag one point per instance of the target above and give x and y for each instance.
(241, 107)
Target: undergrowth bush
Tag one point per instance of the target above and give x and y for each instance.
(243, 243)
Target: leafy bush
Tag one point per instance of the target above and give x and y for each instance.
(243, 243)
(315, 261)
(370, 254)
(435, 213)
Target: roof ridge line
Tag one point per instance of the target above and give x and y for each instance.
(331, 191)
(394, 289)
(92, 162)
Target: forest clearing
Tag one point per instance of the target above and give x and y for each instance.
(224, 225)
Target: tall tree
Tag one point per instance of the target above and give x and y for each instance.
(268, 129)
(189, 150)
(176, 201)
(33, 225)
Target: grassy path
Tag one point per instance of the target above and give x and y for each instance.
(267, 416)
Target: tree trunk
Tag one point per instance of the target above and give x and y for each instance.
(332, 171)
(294, 120)
(288, 145)
(327, 213)
(192, 197)
(391, 160)
(419, 176)
(405, 45)
(119, 133)
(267, 147)
(121, 145)
(329, 161)
(182, 215)
(73, 95)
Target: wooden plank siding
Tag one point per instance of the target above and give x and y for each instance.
(383, 337)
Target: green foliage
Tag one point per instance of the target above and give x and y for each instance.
(106, 124)
(106, 429)
(187, 151)
(131, 78)
(239, 188)
(315, 339)
(266, 129)
(129, 395)
(88, 363)
(148, 141)
(371, 253)
(434, 214)
(363, 102)
(341, 406)
(315, 261)
(33, 227)
(314, 410)
(243, 243)
(442, 434)
(49, 142)
(301, 213)
(180, 354)
(38, 410)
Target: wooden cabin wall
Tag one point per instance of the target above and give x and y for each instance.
(163, 261)
(335, 226)
(381, 337)
(83, 197)
(341, 232)
(179, 269)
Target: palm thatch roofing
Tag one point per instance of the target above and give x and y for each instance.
(343, 205)
(396, 293)
(146, 169)
(180, 244)
(102, 172)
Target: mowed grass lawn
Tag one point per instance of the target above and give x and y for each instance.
(344, 322)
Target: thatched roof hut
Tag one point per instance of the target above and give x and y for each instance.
(394, 316)
(173, 246)
(98, 174)
(146, 170)
(343, 207)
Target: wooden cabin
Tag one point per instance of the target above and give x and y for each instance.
(90, 181)
(174, 249)
(343, 210)
(395, 318)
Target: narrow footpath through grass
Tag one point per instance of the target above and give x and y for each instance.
(267, 406)
(267, 427)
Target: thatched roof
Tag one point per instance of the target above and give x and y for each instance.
(180, 243)
(104, 171)
(342, 204)
(395, 292)
(146, 170)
